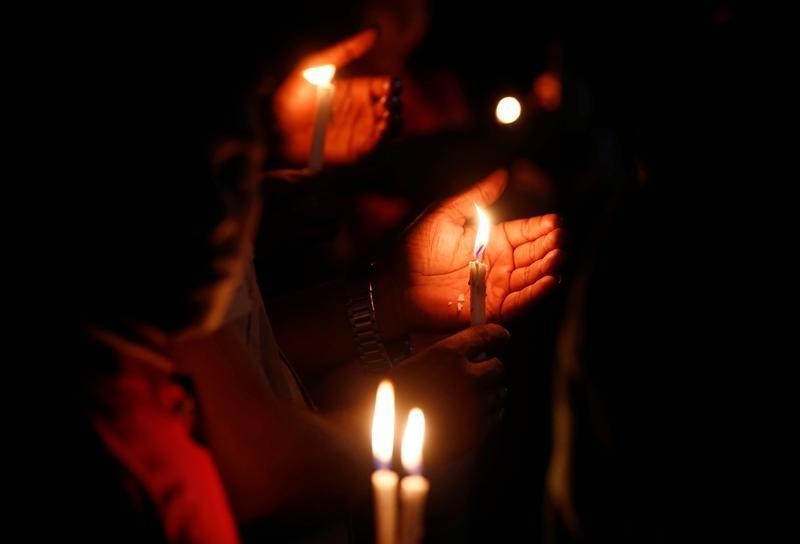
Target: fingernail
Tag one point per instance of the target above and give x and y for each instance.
(397, 84)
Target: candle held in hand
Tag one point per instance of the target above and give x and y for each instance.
(477, 270)
(413, 488)
(321, 77)
(384, 479)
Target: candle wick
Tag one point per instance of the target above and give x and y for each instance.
(479, 252)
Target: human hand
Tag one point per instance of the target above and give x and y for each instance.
(364, 110)
(461, 398)
(430, 283)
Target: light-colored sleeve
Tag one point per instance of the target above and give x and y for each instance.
(249, 317)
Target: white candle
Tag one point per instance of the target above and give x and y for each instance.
(384, 479)
(413, 488)
(320, 76)
(477, 271)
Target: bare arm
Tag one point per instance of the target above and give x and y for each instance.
(285, 463)
(277, 460)
(312, 327)
(420, 290)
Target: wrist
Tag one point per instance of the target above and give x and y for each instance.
(379, 335)
(389, 305)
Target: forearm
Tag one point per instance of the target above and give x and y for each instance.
(314, 329)
(277, 461)
(347, 386)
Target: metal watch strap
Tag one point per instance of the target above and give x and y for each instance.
(361, 312)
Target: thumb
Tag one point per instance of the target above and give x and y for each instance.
(484, 194)
(477, 340)
(344, 52)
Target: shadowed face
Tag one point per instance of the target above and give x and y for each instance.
(161, 237)
(157, 170)
(163, 193)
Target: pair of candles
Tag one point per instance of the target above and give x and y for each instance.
(413, 488)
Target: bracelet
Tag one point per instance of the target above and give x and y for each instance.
(375, 354)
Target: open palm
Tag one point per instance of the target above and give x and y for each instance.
(522, 257)
(363, 110)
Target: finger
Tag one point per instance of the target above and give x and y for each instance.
(389, 126)
(346, 101)
(387, 106)
(380, 87)
(379, 108)
(484, 194)
(488, 374)
(381, 129)
(345, 51)
(518, 301)
(530, 252)
(529, 275)
(525, 230)
(476, 340)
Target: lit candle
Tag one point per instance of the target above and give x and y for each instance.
(384, 479)
(320, 76)
(508, 110)
(477, 271)
(413, 488)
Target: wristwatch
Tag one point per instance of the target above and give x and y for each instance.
(375, 353)
(370, 348)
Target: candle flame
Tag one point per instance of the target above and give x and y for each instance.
(413, 440)
(508, 110)
(482, 237)
(383, 424)
(320, 75)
